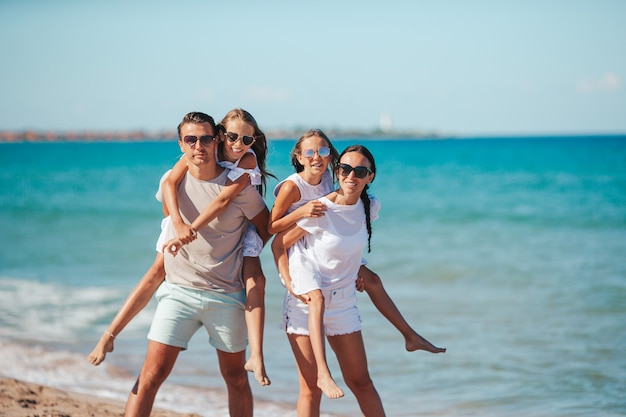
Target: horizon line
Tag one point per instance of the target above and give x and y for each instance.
(138, 135)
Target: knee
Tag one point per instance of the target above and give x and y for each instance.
(257, 281)
(236, 378)
(361, 383)
(316, 297)
(151, 378)
(308, 387)
(253, 274)
(157, 271)
(316, 301)
(310, 394)
(255, 291)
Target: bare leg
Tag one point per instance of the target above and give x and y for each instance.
(236, 379)
(318, 341)
(353, 362)
(309, 395)
(135, 302)
(159, 362)
(377, 293)
(255, 317)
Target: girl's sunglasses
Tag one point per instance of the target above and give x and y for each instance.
(310, 153)
(205, 140)
(359, 172)
(246, 140)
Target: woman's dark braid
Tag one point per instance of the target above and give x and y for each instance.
(366, 203)
(364, 196)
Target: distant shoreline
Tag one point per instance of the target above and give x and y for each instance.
(31, 136)
(165, 136)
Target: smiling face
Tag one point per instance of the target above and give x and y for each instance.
(233, 150)
(350, 184)
(315, 165)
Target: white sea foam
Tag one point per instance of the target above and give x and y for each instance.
(52, 312)
(71, 372)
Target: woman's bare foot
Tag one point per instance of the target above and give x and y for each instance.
(417, 342)
(104, 346)
(329, 388)
(257, 367)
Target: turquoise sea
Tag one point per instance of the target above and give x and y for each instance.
(509, 252)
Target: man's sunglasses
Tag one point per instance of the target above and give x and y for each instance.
(359, 172)
(246, 140)
(205, 140)
(310, 153)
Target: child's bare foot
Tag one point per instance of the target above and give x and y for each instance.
(257, 367)
(329, 388)
(417, 342)
(104, 346)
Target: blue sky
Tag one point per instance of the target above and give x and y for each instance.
(456, 67)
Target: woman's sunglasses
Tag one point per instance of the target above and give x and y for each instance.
(359, 172)
(246, 140)
(205, 140)
(310, 153)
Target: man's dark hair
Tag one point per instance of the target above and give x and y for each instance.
(196, 117)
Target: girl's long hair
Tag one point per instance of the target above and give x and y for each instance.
(259, 146)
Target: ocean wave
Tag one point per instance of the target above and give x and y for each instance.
(49, 312)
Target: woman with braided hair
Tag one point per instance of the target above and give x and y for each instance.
(325, 252)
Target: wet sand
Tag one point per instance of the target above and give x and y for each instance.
(22, 399)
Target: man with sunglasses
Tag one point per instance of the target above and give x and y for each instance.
(203, 285)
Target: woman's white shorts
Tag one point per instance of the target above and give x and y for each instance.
(341, 315)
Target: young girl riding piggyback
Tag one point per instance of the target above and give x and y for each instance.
(297, 198)
(243, 150)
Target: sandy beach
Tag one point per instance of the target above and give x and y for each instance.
(36, 382)
(21, 399)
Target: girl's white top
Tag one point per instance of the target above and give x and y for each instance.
(333, 246)
(308, 191)
(236, 171)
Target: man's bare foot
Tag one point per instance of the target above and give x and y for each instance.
(329, 388)
(417, 342)
(104, 346)
(258, 368)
